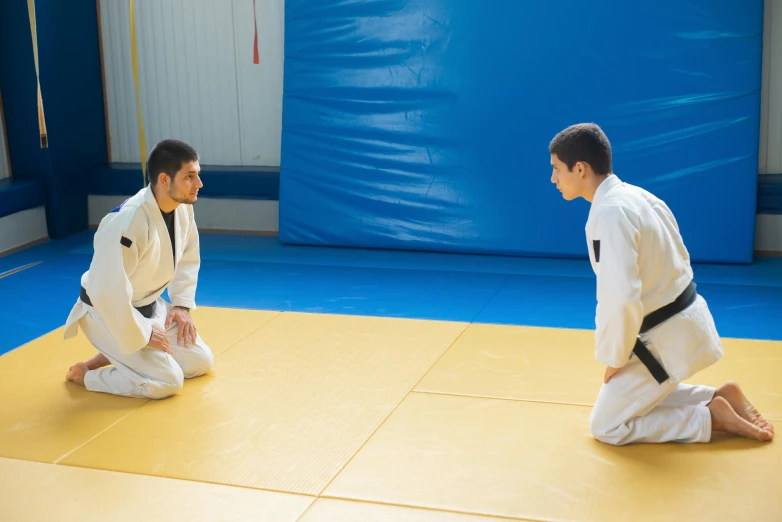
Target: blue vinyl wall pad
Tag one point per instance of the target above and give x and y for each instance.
(425, 124)
(19, 195)
(220, 181)
(770, 194)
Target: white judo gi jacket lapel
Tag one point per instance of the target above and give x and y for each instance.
(162, 231)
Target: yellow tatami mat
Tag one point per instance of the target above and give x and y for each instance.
(537, 364)
(287, 408)
(222, 328)
(538, 461)
(55, 493)
(342, 418)
(557, 365)
(43, 417)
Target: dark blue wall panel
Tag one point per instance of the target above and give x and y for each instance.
(71, 86)
(220, 181)
(424, 124)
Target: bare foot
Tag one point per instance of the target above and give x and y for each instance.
(76, 373)
(724, 418)
(732, 393)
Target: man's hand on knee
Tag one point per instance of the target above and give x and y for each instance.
(159, 340)
(184, 321)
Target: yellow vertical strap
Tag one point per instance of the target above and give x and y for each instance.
(141, 140)
(34, 32)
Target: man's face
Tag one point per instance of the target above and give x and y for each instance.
(186, 183)
(569, 182)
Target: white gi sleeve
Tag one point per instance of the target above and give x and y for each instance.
(115, 259)
(619, 308)
(182, 289)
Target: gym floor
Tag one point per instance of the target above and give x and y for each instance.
(359, 385)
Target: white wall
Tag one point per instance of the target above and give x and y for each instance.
(770, 161)
(768, 233)
(197, 79)
(212, 214)
(22, 229)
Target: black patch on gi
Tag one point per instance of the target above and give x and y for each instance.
(125, 242)
(596, 248)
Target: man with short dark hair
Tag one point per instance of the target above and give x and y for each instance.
(653, 330)
(145, 245)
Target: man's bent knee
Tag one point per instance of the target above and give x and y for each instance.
(170, 385)
(606, 430)
(198, 362)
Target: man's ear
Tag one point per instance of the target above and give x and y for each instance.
(584, 168)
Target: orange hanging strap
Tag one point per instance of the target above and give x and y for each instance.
(142, 142)
(34, 32)
(256, 56)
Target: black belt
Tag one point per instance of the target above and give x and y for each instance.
(147, 310)
(655, 318)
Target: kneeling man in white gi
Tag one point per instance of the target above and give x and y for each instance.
(147, 244)
(653, 330)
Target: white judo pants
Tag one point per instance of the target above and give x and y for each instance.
(148, 373)
(633, 408)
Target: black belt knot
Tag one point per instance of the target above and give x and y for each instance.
(147, 310)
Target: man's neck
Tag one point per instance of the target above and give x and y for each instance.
(165, 203)
(592, 186)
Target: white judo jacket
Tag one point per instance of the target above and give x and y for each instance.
(132, 266)
(641, 264)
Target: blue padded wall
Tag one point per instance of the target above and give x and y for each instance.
(425, 124)
(72, 91)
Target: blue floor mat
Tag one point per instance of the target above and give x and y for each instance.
(259, 273)
(748, 312)
(38, 300)
(766, 271)
(412, 294)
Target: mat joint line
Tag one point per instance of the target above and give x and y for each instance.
(508, 399)
(80, 446)
(437, 510)
(393, 410)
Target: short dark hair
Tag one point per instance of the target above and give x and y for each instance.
(583, 142)
(168, 156)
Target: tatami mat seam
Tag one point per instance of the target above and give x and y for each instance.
(312, 498)
(380, 425)
(301, 517)
(437, 510)
(514, 399)
(194, 481)
(508, 277)
(277, 314)
(509, 399)
(80, 446)
(74, 450)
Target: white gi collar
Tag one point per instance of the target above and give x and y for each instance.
(149, 196)
(611, 181)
